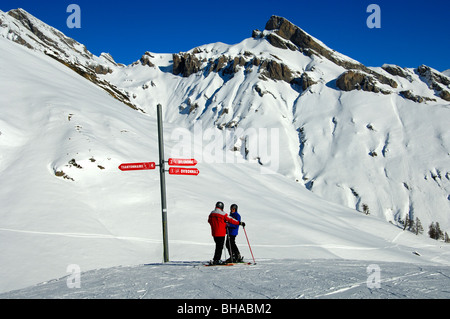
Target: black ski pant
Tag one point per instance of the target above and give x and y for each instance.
(232, 247)
(219, 246)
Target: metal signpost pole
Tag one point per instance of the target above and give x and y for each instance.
(163, 184)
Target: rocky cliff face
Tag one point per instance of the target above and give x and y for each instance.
(309, 46)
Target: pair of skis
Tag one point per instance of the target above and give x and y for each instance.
(210, 264)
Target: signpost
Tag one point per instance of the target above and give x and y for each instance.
(183, 171)
(162, 179)
(137, 166)
(182, 161)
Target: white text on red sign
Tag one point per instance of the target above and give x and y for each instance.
(183, 171)
(137, 166)
(182, 161)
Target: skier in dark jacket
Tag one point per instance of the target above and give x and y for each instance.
(232, 232)
(218, 220)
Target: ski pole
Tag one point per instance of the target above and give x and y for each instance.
(229, 245)
(225, 252)
(254, 262)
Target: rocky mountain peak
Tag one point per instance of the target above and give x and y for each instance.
(309, 46)
(303, 41)
(288, 31)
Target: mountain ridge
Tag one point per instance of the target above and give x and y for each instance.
(292, 79)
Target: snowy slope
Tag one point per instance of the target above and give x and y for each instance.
(49, 116)
(104, 217)
(287, 279)
(65, 202)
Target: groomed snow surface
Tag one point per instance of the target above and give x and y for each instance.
(268, 279)
(107, 223)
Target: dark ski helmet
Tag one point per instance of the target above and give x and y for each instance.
(234, 206)
(220, 205)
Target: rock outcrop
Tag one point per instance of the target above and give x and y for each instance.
(146, 59)
(396, 71)
(357, 80)
(185, 64)
(276, 71)
(407, 94)
(435, 80)
(308, 45)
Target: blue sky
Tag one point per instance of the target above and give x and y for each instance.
(412, 32)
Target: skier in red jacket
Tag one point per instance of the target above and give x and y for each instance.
(218, 220)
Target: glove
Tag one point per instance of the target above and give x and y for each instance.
(242, 224)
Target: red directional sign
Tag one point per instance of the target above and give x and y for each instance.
(137, 166)
(182, 161)
(183, 171)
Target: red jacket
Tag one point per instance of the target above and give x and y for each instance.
(218, 220)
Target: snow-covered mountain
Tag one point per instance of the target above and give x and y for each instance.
(374, 139)
(331, 136)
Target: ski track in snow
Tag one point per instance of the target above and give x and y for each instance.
(340, 289)
(81, 235)
(158, 241)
